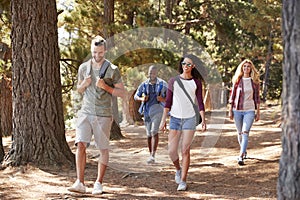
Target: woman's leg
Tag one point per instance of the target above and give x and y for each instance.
(247, 124)
(173, 141)
(238, 120)
(187, 138)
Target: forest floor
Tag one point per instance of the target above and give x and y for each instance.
(213, 174)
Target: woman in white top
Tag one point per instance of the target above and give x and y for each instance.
(183, 117)
(244, 100)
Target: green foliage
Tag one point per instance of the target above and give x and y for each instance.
(5, 68)
(228, 30)
(5, 21)
(5, 29)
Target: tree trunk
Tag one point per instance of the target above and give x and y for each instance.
(129, 109)
(115, 132)
(5, 111)
(267, 66)
(5, 106)
(38, 123)
(134, 108)
(288, 182)
(108, 19)
(2, 153)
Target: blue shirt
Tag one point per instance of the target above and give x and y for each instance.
(152, 91)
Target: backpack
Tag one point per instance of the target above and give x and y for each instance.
(155, 109)
(103, 69)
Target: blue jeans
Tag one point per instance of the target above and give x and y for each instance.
(243, 122)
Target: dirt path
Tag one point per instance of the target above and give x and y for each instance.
(213, 174)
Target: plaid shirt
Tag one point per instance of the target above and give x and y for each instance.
(237, 95)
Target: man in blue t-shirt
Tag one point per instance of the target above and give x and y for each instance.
(152, 94)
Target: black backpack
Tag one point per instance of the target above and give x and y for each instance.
(103, 69)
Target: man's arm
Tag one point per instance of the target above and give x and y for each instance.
(118, 89)
(83, 84)
(138, 96)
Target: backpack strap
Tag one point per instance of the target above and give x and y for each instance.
(146, 88)
(183, 89)
(160, 86)
(103, 68)
(89, 69)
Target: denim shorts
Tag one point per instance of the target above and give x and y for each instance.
(182, 123)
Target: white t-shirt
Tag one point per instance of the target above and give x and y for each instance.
(248, 95)
(180, 98)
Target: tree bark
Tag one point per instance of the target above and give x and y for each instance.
(267, 66)
(38, 122)
(5, 111)
(108, 18)
(115, 132)
(134, 108)
(288, 182)
(5, 106)
(2, 153)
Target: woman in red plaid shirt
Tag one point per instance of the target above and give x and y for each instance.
(245, 101)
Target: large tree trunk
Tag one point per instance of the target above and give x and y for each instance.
(134, 108)
(38, 123)
(5, 106)
(108, 18)
(2, 153)
(5, 111)
(289, 182)
(115, 132)
(267, 66)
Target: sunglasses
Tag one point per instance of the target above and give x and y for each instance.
(99, 43)
(187, 64)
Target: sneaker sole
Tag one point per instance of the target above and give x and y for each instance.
(241, 163)
(182, 189)
(96, 193)
(77, 191)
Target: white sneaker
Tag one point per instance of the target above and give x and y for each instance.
(98, 188)
(77, 187)
(182, 186)
(150, 160)
(178, 176)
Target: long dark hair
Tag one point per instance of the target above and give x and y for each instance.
(198, 71)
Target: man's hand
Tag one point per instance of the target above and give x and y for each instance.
(144, 98)
(101, 84)
(82, 85)
(160, 99)
(87, 81)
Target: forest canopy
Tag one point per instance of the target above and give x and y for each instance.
(227, 30)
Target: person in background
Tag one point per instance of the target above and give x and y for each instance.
(95, 115)
(152, 93)
(182, 114)
(244, 100)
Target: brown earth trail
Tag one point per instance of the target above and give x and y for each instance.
(213, 174)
